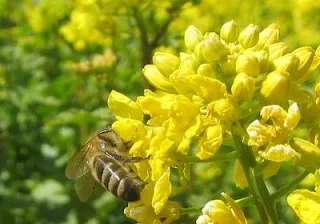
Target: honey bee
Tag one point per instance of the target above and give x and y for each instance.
(101, 160)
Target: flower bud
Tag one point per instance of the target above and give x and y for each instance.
(192, 36)
(166, 63)
(155, 78)
(229, 31)
(212, 48)
(310, 154)
(188, 62)
(224, 109)
(210, 142)
(219, 212)
(243, 87)
(276, 87)
(249, 36)
(305, 55)
(269, 35)
(263, 58)
(206, 70)
(249, 64)
(277, 50)
(287, 63)
(229, 65)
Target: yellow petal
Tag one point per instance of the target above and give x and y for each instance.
(239, 176)
(162, 191)
(123, 107)
(306, 204)
(279, 153)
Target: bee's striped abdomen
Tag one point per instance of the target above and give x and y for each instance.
(117, 178)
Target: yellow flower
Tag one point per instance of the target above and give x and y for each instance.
(157, 79)
(306, 204)
(143, 211)
(217, 211)
(224, 109)
(272, 132)
(310, 154)
(123, 107)
(210, 142)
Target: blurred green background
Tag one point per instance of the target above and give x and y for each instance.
(58, 62)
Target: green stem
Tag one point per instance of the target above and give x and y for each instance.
(230, 156)
(261, 196)
(289, 187)
(185, 211)
(243, 202)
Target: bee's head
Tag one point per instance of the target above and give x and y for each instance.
(110, 140)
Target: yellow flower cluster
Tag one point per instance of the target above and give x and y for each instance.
(220, 80)
(91, 22)
(218, 211)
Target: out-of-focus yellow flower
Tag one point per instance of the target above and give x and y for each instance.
(306, 204)
(217, 211)
(243, 87)
(249, 36)
(229, 31)
(47, 14)
(276, 87)
(123, 107)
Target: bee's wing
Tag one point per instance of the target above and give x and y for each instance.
(77, 165)
(85, 186)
